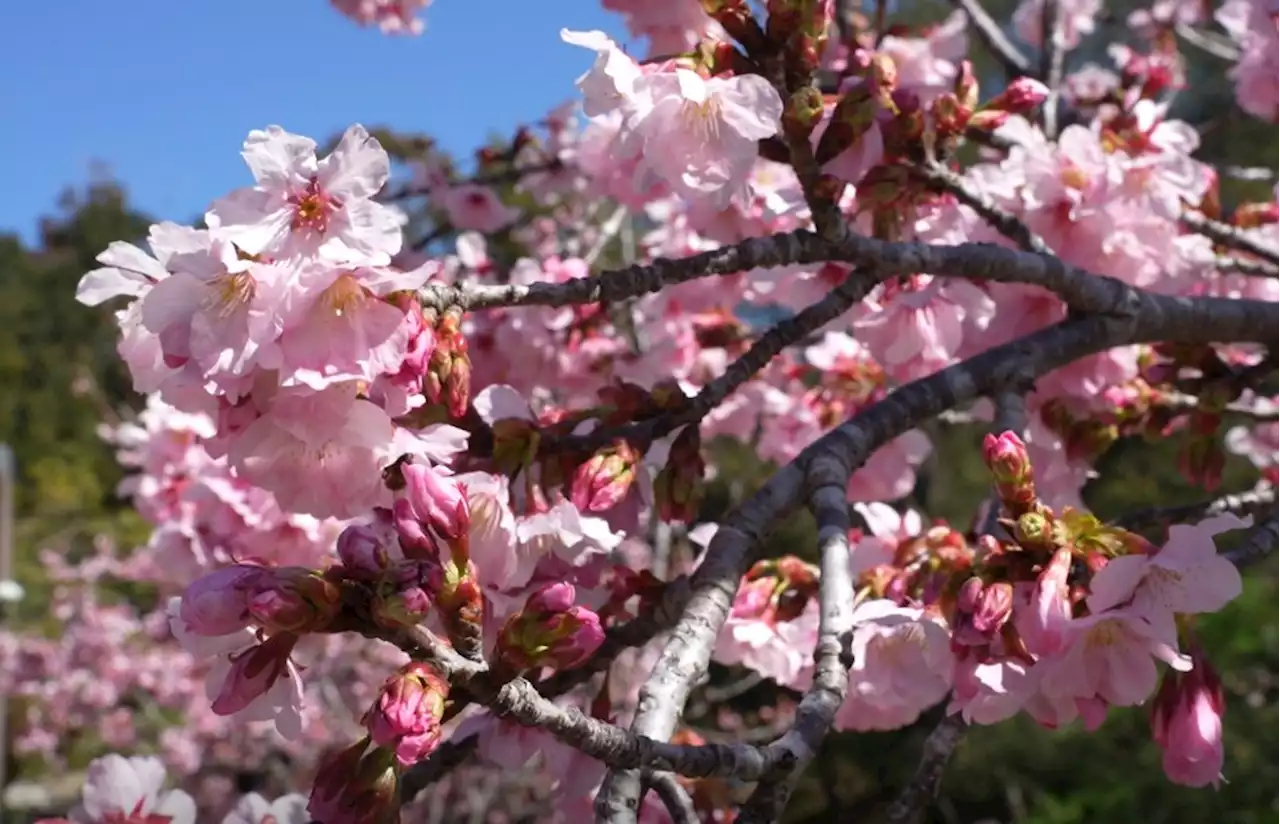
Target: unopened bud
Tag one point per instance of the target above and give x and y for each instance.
(297, 600)
(803, 111)
(1021, 96)
(994, 608)
(970, 595)
(1032, 530)
(406, 717)
(365, 552)
(550, 631)
(448, 378)
(358, 785)
(602, 481)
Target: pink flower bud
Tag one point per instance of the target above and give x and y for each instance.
(1186, 722)
(356, 787)
(363, 551)
(561, 638)
(994, 608)
(1006, 457)
(297, 600)
(218, 603)
(1022, 95)
(406, 717)
(551, 599)
(253, 672)
(603, 481)
(969, 596)
(438, 501)
(405, 593)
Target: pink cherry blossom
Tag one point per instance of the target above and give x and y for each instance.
(1112, 656)
(1078, 20)
(390, 16)
(117, 787)
(902, 666)
(478, 208)
(1186, 576)
(254, 809)
(319, 452)
(303, 206)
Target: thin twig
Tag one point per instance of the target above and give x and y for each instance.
(1053, 50)
(1014, 61)
(1230, 236)
(1262, 541)
(1255, 501)
(674, 797)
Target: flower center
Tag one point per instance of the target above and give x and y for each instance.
(343, 295)
(312, 207)
(230, 291)
(703, 119)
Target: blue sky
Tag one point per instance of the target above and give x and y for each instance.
(163, 92)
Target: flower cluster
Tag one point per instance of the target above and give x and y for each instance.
(393, 472)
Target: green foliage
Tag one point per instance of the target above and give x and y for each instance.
(60, 377)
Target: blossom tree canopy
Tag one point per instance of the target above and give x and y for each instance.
(416, 443)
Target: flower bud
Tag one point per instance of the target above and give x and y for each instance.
(602, 481)
(803, 112)
(1020, 97)
(448, 378)
(994, 608)
(1032, 530)
(1186, 722)
(406, 717)
(405, 593)
(218, 603)
(1006, 457)
(437, 500)
(296, 600)
(550, 631)
(364, 552)
(461, 605)
(356, 787)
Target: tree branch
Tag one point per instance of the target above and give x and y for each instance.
(1052, 57)
(924, 785)
(633, 281)
(1254, 502)
(828, 477)
(674, 797)
(1262, 541)
(1013, 60)
(1230, 236)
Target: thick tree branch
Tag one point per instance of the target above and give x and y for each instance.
(1013, 367)
(1246, 267)
(1013, 60)
(828, 478)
